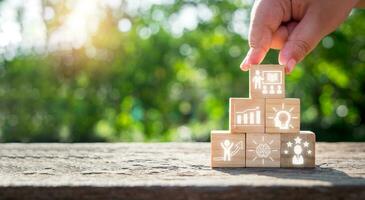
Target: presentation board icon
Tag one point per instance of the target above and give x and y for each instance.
(267, 81)
(247, 115)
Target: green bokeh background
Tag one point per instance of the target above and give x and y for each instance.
(172, 88)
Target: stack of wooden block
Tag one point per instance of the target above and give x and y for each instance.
(265, 128)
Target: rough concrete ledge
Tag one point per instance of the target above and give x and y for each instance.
(170, 171)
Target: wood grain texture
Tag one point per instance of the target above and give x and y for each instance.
(170, 171)
(246, 115)
(298, 150)
(262, 150)
(276, 117)
(267, 81)
(235, 144)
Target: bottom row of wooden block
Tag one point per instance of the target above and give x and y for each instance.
(262, 149)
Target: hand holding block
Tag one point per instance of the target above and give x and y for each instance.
(246, 115)
(282, 115)
(298, 150)
(227, 150)
(267, 81)
(262, 150)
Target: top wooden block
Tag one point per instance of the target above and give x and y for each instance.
(267, 81)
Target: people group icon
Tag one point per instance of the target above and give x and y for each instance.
(270, 86)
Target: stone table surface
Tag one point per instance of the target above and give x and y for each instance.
(170, 171)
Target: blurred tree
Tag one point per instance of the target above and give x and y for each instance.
(157, 71)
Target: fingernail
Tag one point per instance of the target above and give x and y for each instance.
(283, 60)
(243, 64)
(290, 65)
(284, 57)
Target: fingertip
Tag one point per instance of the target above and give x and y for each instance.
(287, 60)
(290, 65)
(283, 57)
(254, 56)
(244, 66)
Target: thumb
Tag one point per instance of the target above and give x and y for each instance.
(305, 36)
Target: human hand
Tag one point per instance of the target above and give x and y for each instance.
(293, 26)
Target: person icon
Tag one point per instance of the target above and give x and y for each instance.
(257, 79)
(271, 91)
(264, 89)
(227, 146)
(298, 158)
(279, 91)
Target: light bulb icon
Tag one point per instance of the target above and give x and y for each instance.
(282, 119)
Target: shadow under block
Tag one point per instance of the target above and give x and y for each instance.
(227, 150)
(267, 81)
(246, 115)
(262, 150)
(298, 150)
(282, 115)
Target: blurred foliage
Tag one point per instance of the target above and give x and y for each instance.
(147, 84)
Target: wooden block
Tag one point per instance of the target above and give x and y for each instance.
(262, 150)
(246, 115)
(282, 115)
(227, 150)
(267, 81)
(298, 150)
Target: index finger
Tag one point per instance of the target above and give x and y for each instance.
(266, 17)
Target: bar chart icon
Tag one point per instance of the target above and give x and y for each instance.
(249, 117)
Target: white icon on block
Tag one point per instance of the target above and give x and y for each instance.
(298, 158)
(230, 149)
(269, 82)
(298, 148)
(263, 150)
(227, 146)
(257, 79)
(248, 117)
(283, 118)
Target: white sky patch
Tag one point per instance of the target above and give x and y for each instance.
(188, 18)
(240, 23)
(34, 29)
(78, 26)
(135, 7)
(124, 25)
(48, 13)
(23, 27)
(10, 30)
(114, 4)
